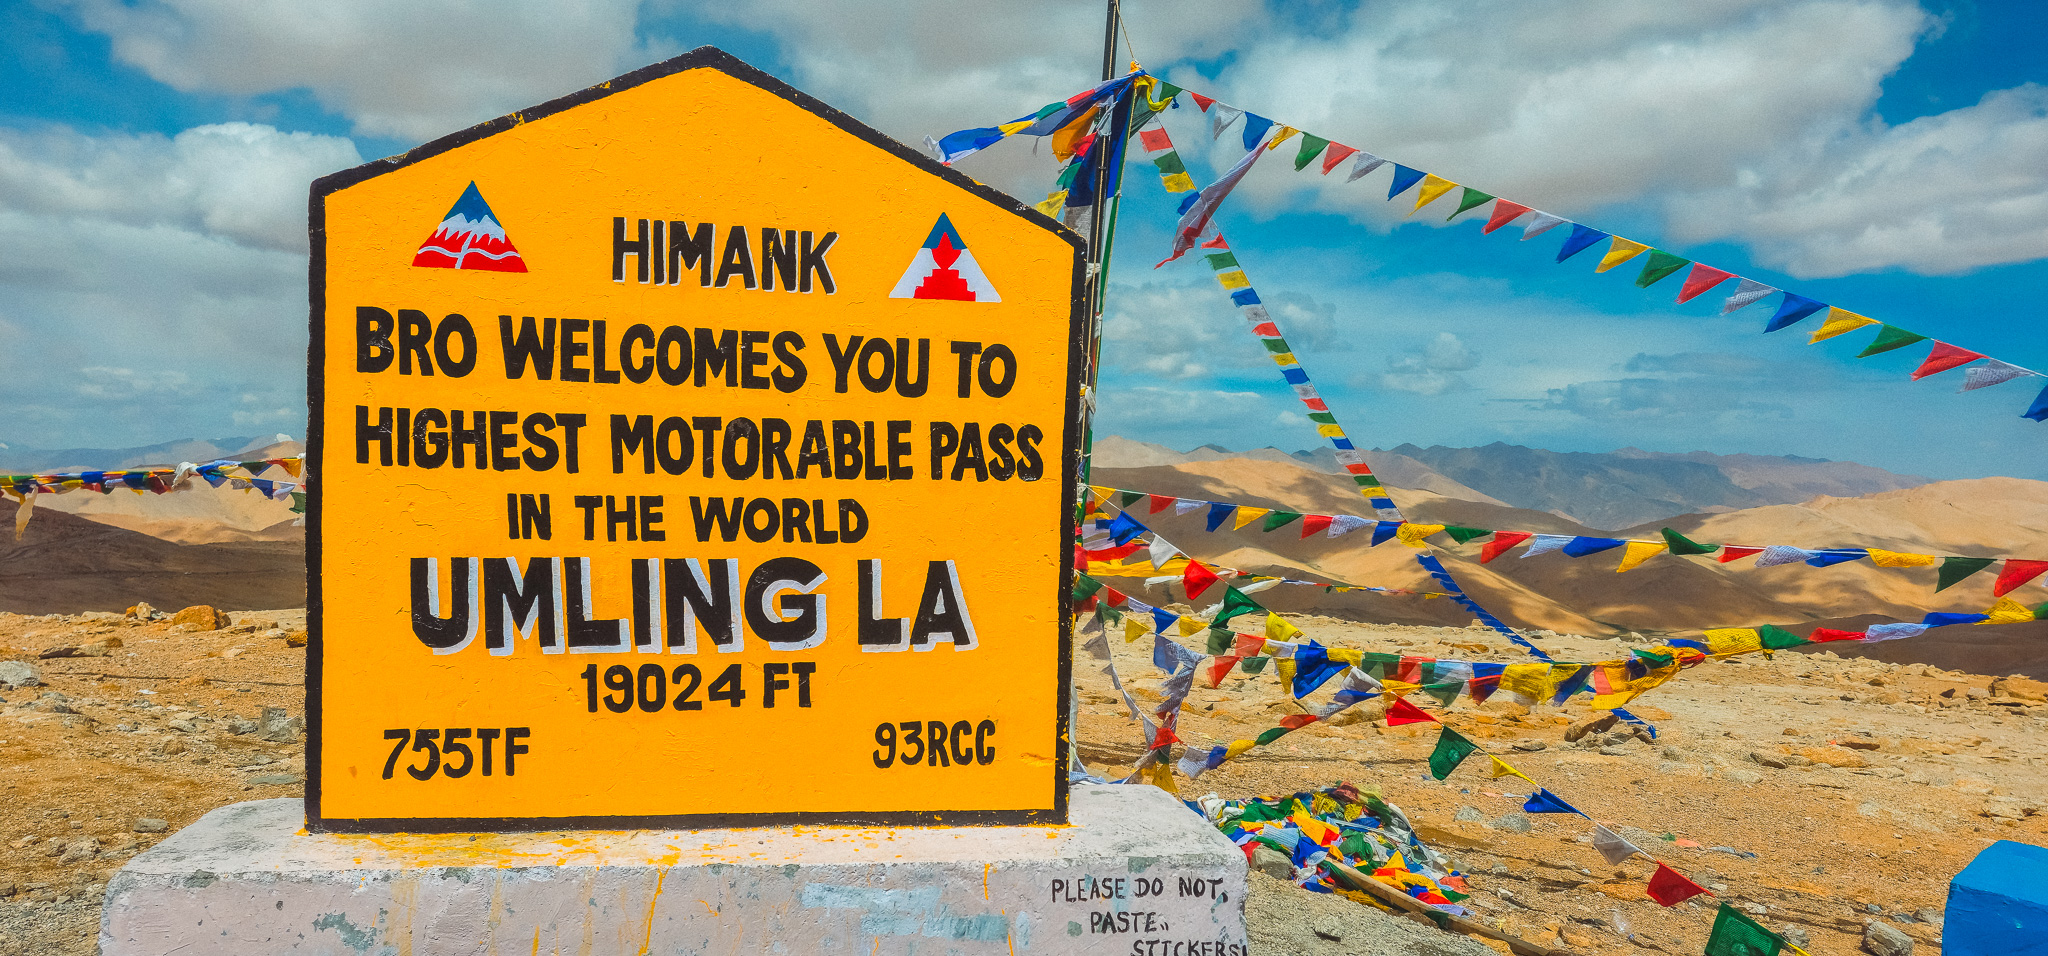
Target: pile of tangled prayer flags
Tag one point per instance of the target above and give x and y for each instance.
(1340, 824)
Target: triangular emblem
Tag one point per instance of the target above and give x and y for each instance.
(470, 237)
(944, 269)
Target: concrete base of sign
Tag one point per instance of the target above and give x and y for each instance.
(1136, 873)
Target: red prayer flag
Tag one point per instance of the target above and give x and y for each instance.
(1824, 634)
(1700, 279)
(1114, 598)
(1670, 887)
(1266, 329)
(1334, 154)
(1216, 243)
(1196, 579)
(1735, 552)
(1219, 668)
(1202, 101)
(1312, 525)
(1163, 737)
(2015, 574)
(1404, 712)
(1504, 212)
(1298, 721)
(1159, 503)
(1944, 357)
(1502, 541)
(1410, 669)
(1248, 645)
(1154, 139)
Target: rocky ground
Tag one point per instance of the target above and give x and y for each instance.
(1819, 793)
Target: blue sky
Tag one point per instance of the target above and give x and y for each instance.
(1887, 157)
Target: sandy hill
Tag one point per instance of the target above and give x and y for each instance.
(1631, 486)
(197, 514)
(65, 564)
(1668, 595)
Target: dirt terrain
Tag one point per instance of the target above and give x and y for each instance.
(171, 723)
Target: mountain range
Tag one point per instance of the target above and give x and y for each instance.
(1601, 491)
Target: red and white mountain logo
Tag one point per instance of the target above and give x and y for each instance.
(944, 269)
(470, 238)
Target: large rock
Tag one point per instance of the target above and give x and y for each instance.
(1590, 725)
(1882, 939)
(275, 727)
(15, 674)
(201, 617)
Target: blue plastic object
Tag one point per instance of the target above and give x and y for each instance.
(1998, 905)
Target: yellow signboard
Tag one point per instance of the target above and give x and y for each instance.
(688, 454)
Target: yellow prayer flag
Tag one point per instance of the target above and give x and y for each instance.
(2008, 611)
(1101, 491)
(1284, 359)
(1052, 204)
(1234, 279)
(1346, 655)
(1281, 137)
(1277, 628)
(1501, 769)
(1620, 251)
(1330, 431)
(1067, 137)
(1900, 559)
(1161, 775)
(1189, 627)
(1399, 688)
(1412, 534)
(1178, 183)
(1637, 553)
(1136, 626)
(1839, 321)
(1285, 665)
(1433, 186)
(1237, 747)
(1733, 640)
(1525, 681)
(1246, 516)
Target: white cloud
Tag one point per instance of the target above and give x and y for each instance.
(148, 283)
(240, 181)
(1941, 194)
(412, 69)
(1430, 370)
(1180, 332)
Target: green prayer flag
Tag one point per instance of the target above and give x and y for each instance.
(1277, 346)
(1253, 665)
(1110, 616)
(1270, 735)
(1236, 602)
(1890, 337)
(1220, 261)
(1956, 569)
(1680, 544)
(1125, 499)
(1471, 198)
(1066, 177)
(1777, 638)
(1652, 659)
(1462, 534)
(1086, 587)
(298, 502)
(1280, 519)
(1445, 693)
(1323, 418)
(1451, 750)
(1659, 265)
(1221, 640)
(1735, 934)
(1169, 164)
(1311, 146)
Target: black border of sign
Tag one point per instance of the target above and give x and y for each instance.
(705, 57)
